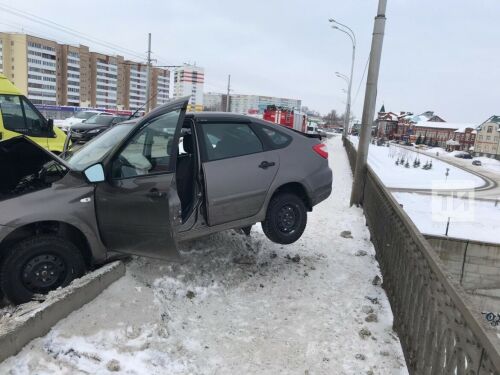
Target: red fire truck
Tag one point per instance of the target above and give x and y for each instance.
(286, 117)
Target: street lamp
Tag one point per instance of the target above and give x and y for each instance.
(348, 31)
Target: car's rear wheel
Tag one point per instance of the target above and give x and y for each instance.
(38, 265)
(286, 218)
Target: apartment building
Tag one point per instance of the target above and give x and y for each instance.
(248, 104)
(31, 64)
(160, 86)
(74, 86)
(212, 101)
(189, 81)
(50, 73)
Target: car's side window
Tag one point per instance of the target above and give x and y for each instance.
(229, 140)
(277, 138)
(150, 150)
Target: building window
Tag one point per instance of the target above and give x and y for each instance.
(490, 129)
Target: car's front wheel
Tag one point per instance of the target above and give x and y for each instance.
(38, 265)
(286, 218)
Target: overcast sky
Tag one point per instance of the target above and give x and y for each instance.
(440, 55)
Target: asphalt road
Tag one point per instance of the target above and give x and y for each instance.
(489, 191)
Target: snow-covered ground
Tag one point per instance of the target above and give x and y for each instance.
(383, 161)
(469, 218)
(239, 305)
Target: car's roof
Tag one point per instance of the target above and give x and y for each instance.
(218, 115)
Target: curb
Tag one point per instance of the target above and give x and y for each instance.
(35, 319)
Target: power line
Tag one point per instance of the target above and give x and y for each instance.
(59, 27)
(361, 82)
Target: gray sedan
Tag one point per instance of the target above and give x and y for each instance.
(144, 185)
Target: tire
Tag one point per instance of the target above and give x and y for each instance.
(38, 265)
(286, 218)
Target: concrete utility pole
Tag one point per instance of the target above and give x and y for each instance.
(148, 76)
(228, 92)
(369, 105)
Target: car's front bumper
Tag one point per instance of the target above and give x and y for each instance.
(4, 232)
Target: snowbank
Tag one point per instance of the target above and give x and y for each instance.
(239, 305)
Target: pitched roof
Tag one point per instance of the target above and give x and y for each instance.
(444, 125)
(495, 119)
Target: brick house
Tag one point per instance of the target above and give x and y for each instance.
(488, 138)
(466, 137)
(386, 124)
(411, 126)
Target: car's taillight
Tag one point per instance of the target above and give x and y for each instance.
(320, 149)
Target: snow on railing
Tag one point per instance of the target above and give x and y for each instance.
(440, 331)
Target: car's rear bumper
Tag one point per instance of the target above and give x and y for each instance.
(323, 186)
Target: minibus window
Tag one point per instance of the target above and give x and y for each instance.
(19, 116)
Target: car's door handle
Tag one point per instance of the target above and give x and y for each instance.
(266, 164)
(155, 193)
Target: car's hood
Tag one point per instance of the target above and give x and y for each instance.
(84, 126)
(71, 121)
(7, 145)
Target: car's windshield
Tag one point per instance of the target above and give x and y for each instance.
(93, 151)
(99, 120)
(84, 115)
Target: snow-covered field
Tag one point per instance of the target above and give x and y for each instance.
(383, 161)
(238, 305)
(469, 218)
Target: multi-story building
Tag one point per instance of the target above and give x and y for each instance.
(160, 86)
(488, 138)
(106, 80)
(189, 81)
(59, 74)
(73, 65)
(247, 104)
(136, 78)
(31, 64)
(252, 104)
(212, 101)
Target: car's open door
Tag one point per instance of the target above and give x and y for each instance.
(138, 209)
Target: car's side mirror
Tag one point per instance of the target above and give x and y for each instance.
(94, 173)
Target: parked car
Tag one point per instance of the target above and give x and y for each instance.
(79, 117)
(130, 190)
(476, 162)
(88, 129)
(463, 156)
(20, 117)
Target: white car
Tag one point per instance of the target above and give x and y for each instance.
(79, 117)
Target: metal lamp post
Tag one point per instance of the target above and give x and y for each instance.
(348, 31)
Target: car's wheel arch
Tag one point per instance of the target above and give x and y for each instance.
(59, 228)
(296, 188)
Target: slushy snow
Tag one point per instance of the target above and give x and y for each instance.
(238, 305)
